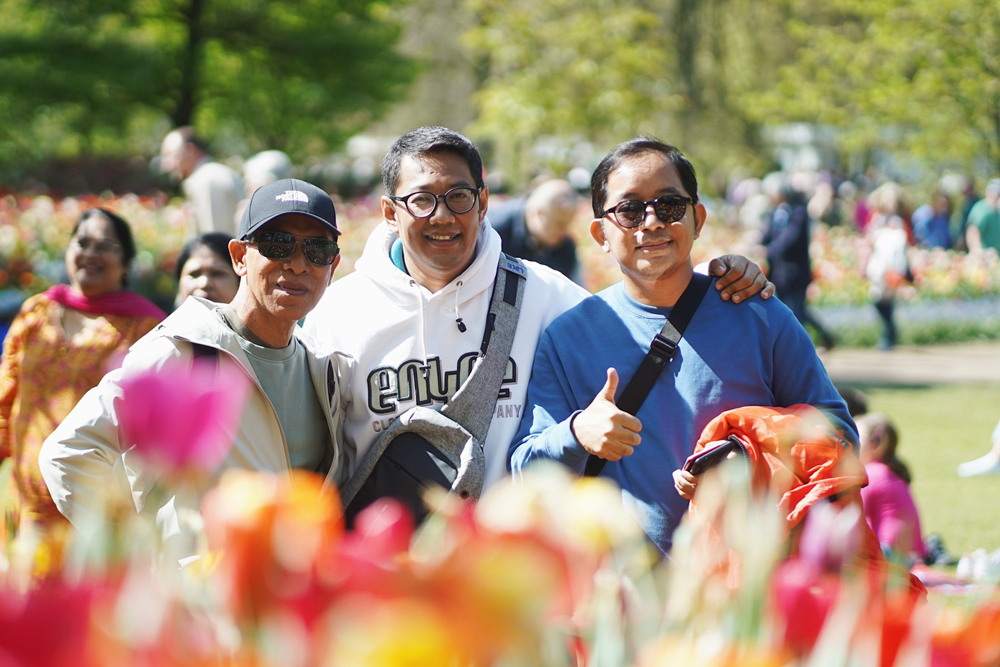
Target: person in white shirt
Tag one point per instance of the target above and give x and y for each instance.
(213, 189)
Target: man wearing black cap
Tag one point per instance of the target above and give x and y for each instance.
(285, 255)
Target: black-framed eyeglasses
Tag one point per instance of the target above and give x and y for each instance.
(630, 213)
(279, 245)
(100, 246)
(422, 204)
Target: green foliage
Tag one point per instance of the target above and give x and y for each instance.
(913, 77)
(595, 71)
(921, 76)
(93, 76)
(568, 69)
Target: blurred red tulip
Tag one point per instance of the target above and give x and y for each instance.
(803, 595)
(273, 534)
(49, 626)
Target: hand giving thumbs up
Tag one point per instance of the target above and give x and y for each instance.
(603, 429)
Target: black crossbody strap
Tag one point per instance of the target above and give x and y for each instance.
(661, 351)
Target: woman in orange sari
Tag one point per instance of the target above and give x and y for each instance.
(60, 345)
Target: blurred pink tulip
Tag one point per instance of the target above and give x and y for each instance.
(831, 537)
(382, 531)
(183, 417)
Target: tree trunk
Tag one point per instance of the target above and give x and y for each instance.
(190, 65)
(686, 38)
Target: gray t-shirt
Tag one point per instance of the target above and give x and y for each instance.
(284, 375)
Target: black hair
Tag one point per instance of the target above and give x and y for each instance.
(191, 137)
(424, 140)
(632, 148)
(881, 430)
(123, 233)
(217, 242)
(856, 400)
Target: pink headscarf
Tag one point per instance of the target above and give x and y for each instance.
(122, 302)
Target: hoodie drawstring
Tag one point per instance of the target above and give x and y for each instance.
(458, 318)
(423, 341)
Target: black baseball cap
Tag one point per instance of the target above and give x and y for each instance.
(288, 195)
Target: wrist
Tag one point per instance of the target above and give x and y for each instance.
(572, 427)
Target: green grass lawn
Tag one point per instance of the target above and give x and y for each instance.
(940, 427)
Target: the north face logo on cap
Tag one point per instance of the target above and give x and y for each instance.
(292, 195)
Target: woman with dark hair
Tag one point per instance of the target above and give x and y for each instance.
(60, 345)
(205, 269)
(889, 506)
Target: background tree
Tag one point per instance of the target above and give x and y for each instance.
(594, 71)
(111, 77)
(914, 76)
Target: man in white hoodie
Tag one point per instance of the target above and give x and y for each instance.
(413, 313)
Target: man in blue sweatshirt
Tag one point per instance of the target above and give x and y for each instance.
(647, 216)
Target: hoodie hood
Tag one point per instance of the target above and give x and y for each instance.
(376, 264)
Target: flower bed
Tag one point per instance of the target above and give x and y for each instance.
(34, 233)
(548, 571)
(552, 572)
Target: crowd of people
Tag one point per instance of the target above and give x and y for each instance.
(784, 208)
(336, 368)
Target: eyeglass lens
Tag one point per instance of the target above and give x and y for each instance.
(669, 209)
(279, 245)
(102, 246)
(423, 204)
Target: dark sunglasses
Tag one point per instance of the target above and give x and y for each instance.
(630, 213)
(279, 245)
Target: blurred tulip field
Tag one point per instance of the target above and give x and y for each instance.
(955, 297)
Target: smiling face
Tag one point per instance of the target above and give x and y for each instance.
(274, 294)
(208, 276)
(655, 257)
(94, 259)
(436, 249)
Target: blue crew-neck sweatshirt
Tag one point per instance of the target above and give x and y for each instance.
(731, 356)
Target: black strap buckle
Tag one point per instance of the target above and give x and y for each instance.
(665, 347)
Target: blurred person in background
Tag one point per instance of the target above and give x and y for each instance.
(889, 506)
(259, 170)
(536, 227)
(887, 268)
(987, 464)
(983, 231)
(61, 344)
(786, 242)
(932, 222)
(969, 199)
(213, 189)
(205, 269)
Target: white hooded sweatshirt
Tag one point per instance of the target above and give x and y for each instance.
(393, 327)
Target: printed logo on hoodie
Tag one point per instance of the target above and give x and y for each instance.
(413, 382)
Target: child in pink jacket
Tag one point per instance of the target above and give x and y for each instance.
(889, 506)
